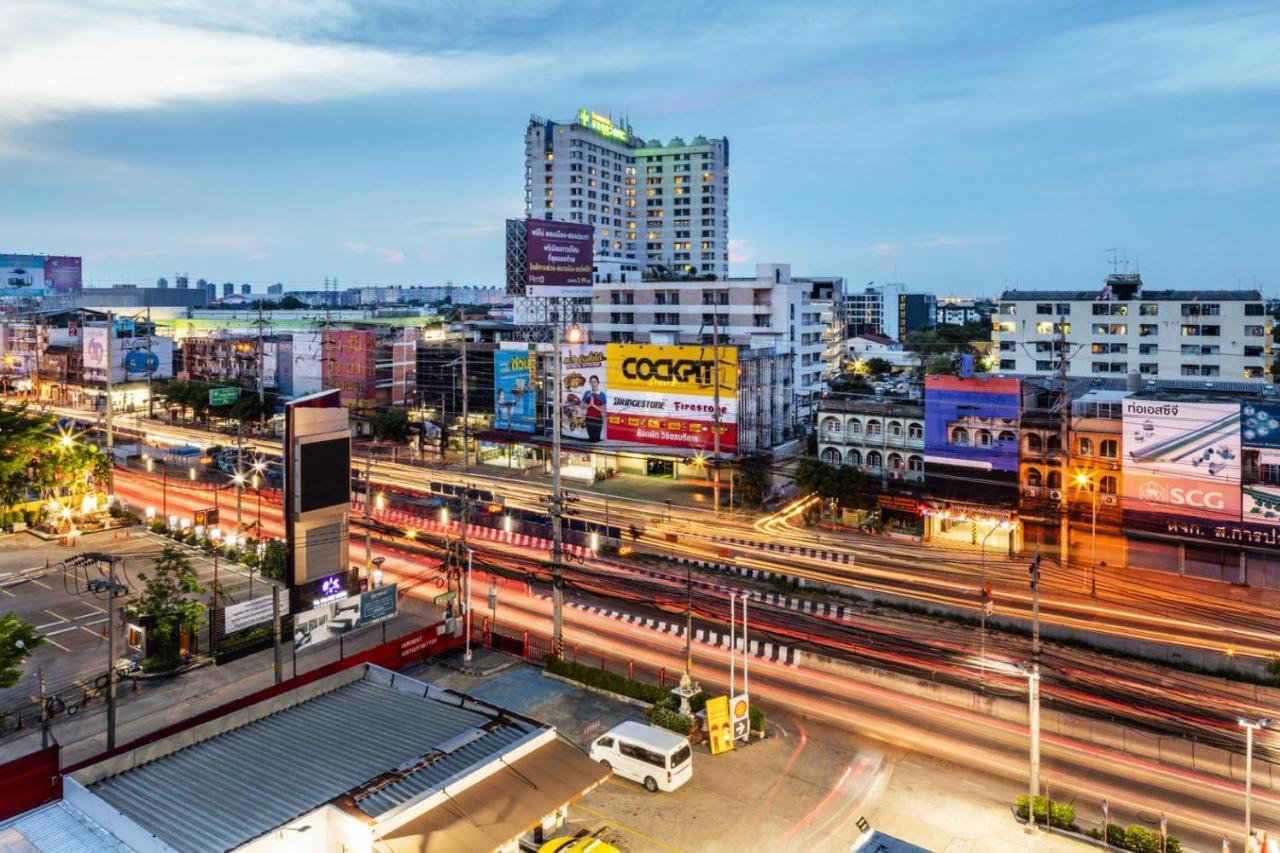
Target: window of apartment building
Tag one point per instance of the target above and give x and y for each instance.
(1149, 369)
(1008, 346)
(874, 459)
(1085, 447)
(622, 337)
(1044, 308)
(1249, 331)
(1008, 364)
(1063, 309)
(1108, 485)
(663, 319)
(1199, 370)
(1008, 308)
(1043, 365)
(1253, 352)
(1113, 309)
(1044, 327)
(622, 319)
(1110, 367)
(1201, 309)
(1149, 309)
(1103, 349)
(915, 431)
(1148, 349)
(1255, 309)
(1254, 372)
(873, 428)
(1109, 448)
(1146, 330)
(1009, 327)
(1110, 328)
(1202, 331)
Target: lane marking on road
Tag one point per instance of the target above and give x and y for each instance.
(61, 630)
(56, 644)
(6, 592)
(97, 634)
(38, 583)
(57, 615)
(94, 606)
(622, 826)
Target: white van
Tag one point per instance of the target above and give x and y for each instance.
(658, 759)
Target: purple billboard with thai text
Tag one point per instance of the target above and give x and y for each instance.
(559, 259)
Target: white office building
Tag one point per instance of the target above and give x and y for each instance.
(772, 310)
(658, 210)
(1166, 336)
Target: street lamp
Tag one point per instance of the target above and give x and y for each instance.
(1249, 726)
(1083, 480)
(239, 481)
(466, 613)
(258, 469)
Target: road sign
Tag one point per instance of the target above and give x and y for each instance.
(223, 396)
(205, 517)
(740, 711)
(719, 728)
(445, 597)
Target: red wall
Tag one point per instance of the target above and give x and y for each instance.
(30, 781)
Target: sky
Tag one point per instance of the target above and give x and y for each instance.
(957, 147)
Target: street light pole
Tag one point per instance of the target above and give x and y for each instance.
(239, 477)
(983, 600)
(466, 655)
(1249, 726)
(557, 498)
(1033, 694)
(1093, 544)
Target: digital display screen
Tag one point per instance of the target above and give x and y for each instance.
(325, 473)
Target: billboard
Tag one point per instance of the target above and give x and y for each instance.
(664, 396)
(514, 394)
(349, 364)
(317, 485)
(95, 348)
(255, 611)
(62, 274)
(22, 275)
(1182, 459)
(971, 433)
(336, 618)
(583, 401)
(558, 258)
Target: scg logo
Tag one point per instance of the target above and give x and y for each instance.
(1154, 492)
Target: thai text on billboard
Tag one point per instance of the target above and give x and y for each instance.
(1182, 459)
(558, 258)
(514, 394)
(665, 396)
(584, 403)
(349, 364)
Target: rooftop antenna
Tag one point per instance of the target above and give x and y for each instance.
(1114, 262)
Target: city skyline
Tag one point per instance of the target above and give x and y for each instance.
(957, 151)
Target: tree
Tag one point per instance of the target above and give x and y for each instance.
(24, 441)
(850, 383)
(754, 478)
(877, 366)
(390, 425)
(17, 640)
(291, 303)
(164, 598)
(843, 483)
(273, 559)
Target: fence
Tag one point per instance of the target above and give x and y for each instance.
(534, 648)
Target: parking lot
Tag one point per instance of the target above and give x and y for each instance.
(72, 618)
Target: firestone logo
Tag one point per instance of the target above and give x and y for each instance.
(1154, 492)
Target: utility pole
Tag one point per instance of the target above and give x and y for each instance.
(715, 379)
(112, 589)
(111, 474)
(1064, 428)
(557, 505)
(239, 478)
(368, 498)
(44, 713)
(466, 413)
(262, 394)
(275, 630)
(151, 337)
(1033, 693)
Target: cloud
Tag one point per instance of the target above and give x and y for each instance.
(740, 251)
(383, 256)
(939, 241)
(259, 255)
(61, 58)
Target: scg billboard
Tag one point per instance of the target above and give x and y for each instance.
(1182, 459)
(514, 394)
(665, 396)
(971, 433)
(559, 258)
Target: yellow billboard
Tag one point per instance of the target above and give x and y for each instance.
(671, 369)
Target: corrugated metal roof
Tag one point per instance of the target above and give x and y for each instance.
(235, 786)
(55, 828)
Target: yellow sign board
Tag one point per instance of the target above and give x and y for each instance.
(665, 369)
(719, 725)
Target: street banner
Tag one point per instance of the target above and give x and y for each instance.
(582, 392)
(255, 611)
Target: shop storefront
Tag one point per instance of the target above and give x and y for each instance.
(981, 528)
(901, 514)
(514, 456)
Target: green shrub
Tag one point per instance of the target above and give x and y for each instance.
(159, 663)
(1062, 814)
(1137, 838)
(757, 718)
(157, 526)
(605, 680)
(672, 721)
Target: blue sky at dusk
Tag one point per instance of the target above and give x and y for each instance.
(954, 146)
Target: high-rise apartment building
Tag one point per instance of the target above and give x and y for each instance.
(660, 211)
(888, 310)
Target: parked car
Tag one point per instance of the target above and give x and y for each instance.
(656, 758)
